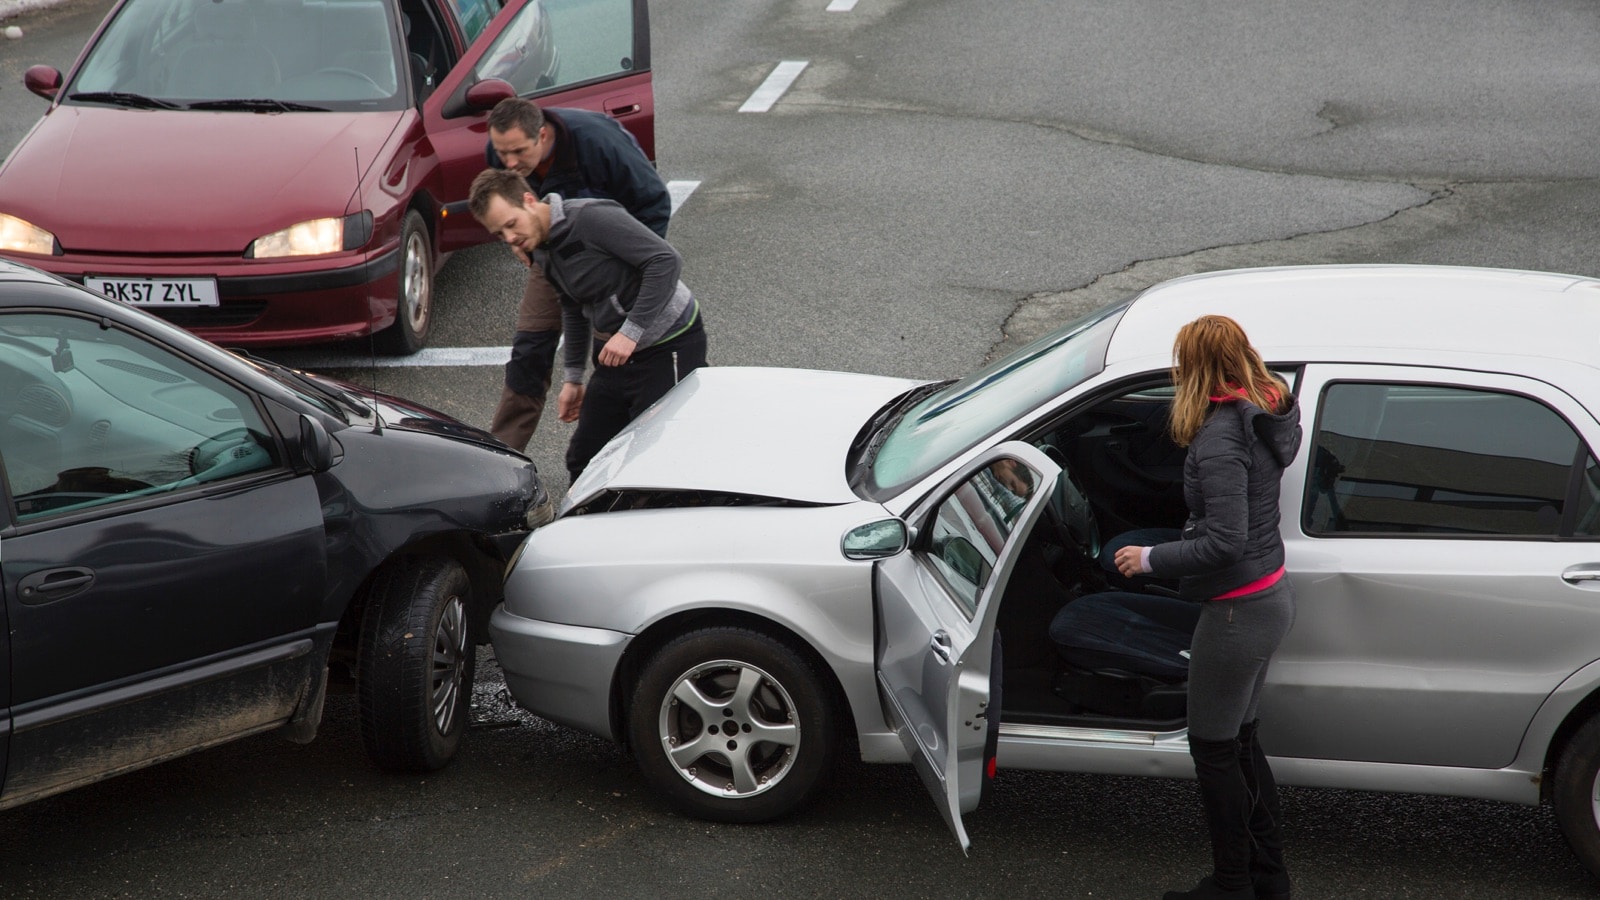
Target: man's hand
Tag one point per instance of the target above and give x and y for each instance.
(521, 255)
(617, 350)
(570, 401)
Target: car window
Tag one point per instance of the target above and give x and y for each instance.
(92, 416)
(954, 419)
(970, 528)
(557, 44)
(333, 54)
(1437, 460)
(474, 16)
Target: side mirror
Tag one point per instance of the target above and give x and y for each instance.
(486, 93)
(316, 445)
(875, 540)
(478, 97)
(42, 80)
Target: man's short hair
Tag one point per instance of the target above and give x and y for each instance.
(492, 183)
(515, 112)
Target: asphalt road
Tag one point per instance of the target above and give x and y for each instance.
(943, 180)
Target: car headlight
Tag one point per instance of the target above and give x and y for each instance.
(301, 239)
(22, 236)
(314, 237)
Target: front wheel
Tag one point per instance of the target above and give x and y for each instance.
(416, 664)
(1576, 794)
(733, 726)
(414, 314)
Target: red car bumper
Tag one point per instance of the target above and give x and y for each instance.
(269, 303)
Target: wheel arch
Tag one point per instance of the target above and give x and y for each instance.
(1586, 709)
(474, 552)
(652, 639)
(425, 204)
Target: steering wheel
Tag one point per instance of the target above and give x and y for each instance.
(232, 445)
(1069, 509)
(352, 73)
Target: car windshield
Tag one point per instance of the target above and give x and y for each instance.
(944, 425)
(256, 55)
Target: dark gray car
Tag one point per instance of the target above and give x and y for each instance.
(195, 547)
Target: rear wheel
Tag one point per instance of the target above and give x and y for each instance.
(416, 664)
(1576, 794)
(414, 314)
(733, 726)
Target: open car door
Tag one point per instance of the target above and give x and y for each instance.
(937, 605)
(560, 53)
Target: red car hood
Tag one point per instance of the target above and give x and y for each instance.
(188, 182)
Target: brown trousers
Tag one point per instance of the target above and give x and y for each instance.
(533, 353)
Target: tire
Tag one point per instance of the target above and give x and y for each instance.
(414, 313)
(1576, 794)
(415, 664)
(785, 694)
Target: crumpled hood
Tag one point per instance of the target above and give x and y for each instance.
(110, 180)
(768, 432)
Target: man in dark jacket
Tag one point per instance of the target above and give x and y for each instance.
(574, 153)
(621, 302)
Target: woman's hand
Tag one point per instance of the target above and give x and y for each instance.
(1130, 561)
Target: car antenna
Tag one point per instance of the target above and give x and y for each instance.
(372, 337)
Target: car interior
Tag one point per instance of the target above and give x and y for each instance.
(1109, 661)
(90, 416)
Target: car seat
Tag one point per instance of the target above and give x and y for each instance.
(1125, 654)
(363, 48)
(226, 60)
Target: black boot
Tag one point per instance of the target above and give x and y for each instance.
(1268, 873)
(1227, 801)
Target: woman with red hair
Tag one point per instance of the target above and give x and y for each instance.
(1241, 427)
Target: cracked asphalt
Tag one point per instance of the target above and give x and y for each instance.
(946, 179)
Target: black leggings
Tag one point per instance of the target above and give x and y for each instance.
(1233, 643)
(617, 394)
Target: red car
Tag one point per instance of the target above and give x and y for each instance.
(281, 172)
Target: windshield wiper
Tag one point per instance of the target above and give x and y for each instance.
(125, 98)
(258, 104)
(339, 398)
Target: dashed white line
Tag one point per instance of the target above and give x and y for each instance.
(771, 89)
(841, 5)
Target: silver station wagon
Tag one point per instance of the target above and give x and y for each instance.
(770, 562)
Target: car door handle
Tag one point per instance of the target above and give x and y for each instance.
(941, 646)
(618, 112)
(1582, 573)
(51, 585)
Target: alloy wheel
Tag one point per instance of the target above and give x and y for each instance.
(729, 729)
(449, 655)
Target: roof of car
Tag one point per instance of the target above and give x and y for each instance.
(1311, 313)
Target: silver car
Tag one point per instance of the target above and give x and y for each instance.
(770, 566)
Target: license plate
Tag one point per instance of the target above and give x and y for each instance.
(156, 291)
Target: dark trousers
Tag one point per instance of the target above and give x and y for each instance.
(617, 394)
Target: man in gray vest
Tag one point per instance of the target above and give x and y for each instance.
(622, 303)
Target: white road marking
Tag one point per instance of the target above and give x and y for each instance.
(771, 89)
(680, 191)
(431, 356)
(841, 5)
